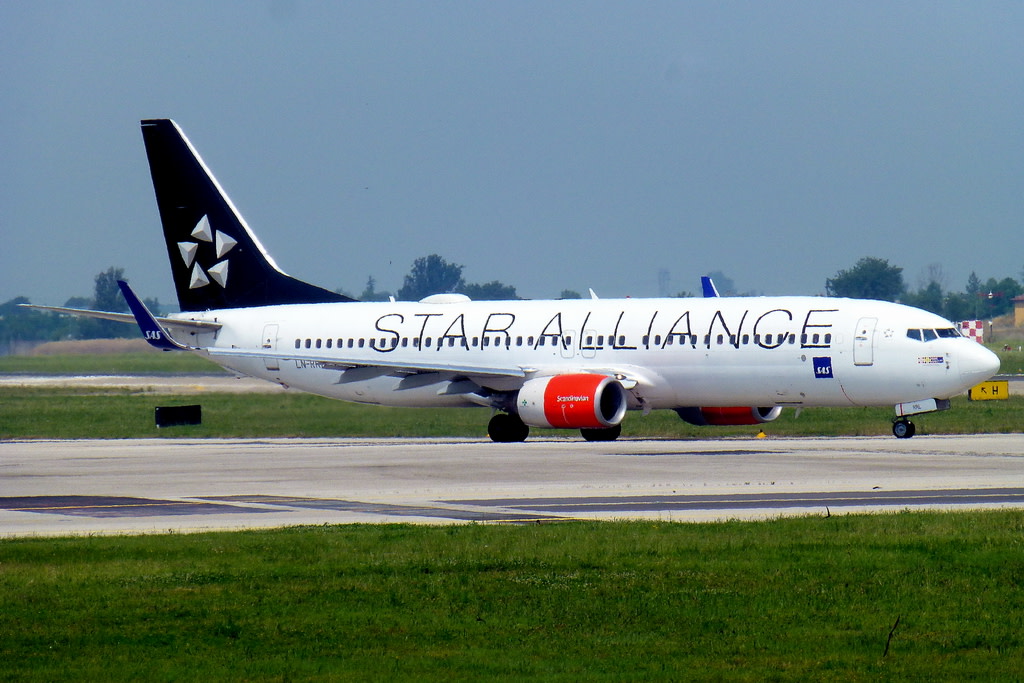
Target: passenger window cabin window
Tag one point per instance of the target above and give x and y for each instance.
(318, 343)
(828, 338)
(330, 343)
(309, 343)
(768, 340)
(657, 340)
(815, 338)
(298, 343)
(720, 340)
(646, 339)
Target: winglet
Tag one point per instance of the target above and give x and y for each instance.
(708, 287)
(152, 330)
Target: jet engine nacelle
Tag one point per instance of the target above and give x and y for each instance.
(739, 415)
(583, 401)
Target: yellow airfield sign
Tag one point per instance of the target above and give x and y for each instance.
(993, 390)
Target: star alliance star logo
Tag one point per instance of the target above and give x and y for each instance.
(222, 242)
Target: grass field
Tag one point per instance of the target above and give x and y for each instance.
(923, 596)
(116, 414)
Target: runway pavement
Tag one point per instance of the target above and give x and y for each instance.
(77, 487)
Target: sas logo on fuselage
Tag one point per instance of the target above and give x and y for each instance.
(823, 367)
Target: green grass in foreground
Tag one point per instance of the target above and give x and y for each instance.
(75, 414)
(792, 599)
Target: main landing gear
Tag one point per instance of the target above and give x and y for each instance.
(902, 428)
(508, 428)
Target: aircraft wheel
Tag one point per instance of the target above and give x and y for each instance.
(609, 434)
(505, 428)
(903, 429)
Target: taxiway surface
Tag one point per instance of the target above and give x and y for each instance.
(123, 486)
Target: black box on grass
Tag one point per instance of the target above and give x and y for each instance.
(174, 416)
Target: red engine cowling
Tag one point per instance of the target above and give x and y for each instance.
(572, 402)
(739, 415)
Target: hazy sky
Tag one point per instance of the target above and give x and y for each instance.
(546, 145)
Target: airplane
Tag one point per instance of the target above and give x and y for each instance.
(571, 364)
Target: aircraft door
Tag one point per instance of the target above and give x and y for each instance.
(269, 343)
(864, 342)
(567, 344)
(587, 348)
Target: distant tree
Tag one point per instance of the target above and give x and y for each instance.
(18, 325)
(370, 292)
(870, 278)
(997, 296)
(570, 294)
(107, 297)
(973, 284)
(78, 302)
(431, 275)
(959, 306)
(933, 272)
(685, 294)
(930, 298)
(489, 291)
(154, 306)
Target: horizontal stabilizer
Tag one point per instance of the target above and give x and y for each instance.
(198, 325)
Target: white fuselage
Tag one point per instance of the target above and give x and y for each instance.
(759, 351)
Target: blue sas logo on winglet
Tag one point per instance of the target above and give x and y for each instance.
(823, 367)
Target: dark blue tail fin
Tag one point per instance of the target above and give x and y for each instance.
(216, 261)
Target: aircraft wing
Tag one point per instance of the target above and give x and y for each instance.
(336, 363)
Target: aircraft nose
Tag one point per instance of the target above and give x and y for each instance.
(978, 364)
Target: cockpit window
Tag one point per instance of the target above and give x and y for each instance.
(929, 335)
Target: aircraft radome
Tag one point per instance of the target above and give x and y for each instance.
(579, 364)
